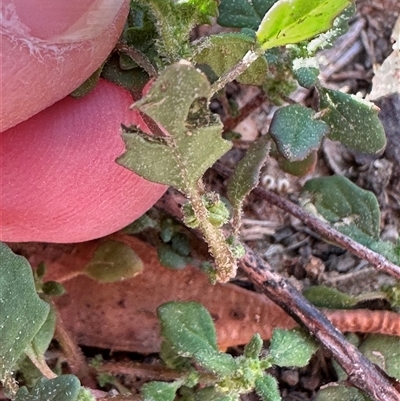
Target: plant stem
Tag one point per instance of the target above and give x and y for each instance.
(249, 58)
(73, 354)
(224, 260)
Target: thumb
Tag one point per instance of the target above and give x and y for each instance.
(48, 48)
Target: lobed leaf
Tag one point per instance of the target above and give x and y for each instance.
(182, 157)
(296, 133)
(23, 313)
(113, 261)
(222, 52)
(188, 327)
(291, 348)
(292, 21)
(352, 210)
(243, 13)
(353, 121)
(62, 388)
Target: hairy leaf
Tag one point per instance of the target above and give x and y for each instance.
(188, 327)
(292, 21)
(247, 173)
(159, 391)
(254, 347)
(113, 261)
(222, 52)
(353, 121)
(352, 210)
(291, 348)
(296, 133)
(62, 388)
(182, 157)
(267, 388)
(243, 13)
(215, 362)
(22, 311)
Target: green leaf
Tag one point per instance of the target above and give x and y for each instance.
(62, 388)
(254, 347)
(296, 133)
(292, 21)
(53, 289)
(200, 11)
(352, 210)
(168, 257)
(340, 393)
(291, 348)
(43, 337)
(353, 121)
(181, 158)
(188, 327)
(222, 52)
(211, 394)
(88, 85)
(172, 359)
(180, 243)
(306, 71)
(159, 391)
(384, 351)
(113, 261)
(142, 223)
(340, 27)
(243, 13)
(267, 388)
(215, 362)
(325, 297)
(247, 173)
(22, 311)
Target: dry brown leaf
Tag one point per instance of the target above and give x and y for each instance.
(122, 315)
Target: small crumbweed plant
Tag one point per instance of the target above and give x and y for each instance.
(273, 47)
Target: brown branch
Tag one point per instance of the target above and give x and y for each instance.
(323, 229)
(329, 233)
(231, 122)
(362, 373)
